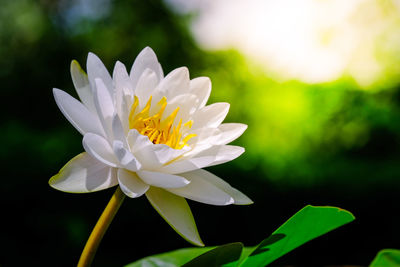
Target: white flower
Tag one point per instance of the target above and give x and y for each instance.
(150, 135)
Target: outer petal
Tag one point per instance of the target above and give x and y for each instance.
(96, 69)
(176, 212)
(99, 148)
(146, 59)
(82, 86)
(201, 87)
(130, 184)
(210, 116)
(229, 132)
(77, 114)
(207, 177)
(84, 174)
(162, 180)
(202, 191)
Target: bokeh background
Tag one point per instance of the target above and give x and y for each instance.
(318, 83)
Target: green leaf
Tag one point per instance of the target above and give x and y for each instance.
(219, 256)
(387, 258)
(170, 259)
(307, 224)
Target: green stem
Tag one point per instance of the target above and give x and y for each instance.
(101, 227)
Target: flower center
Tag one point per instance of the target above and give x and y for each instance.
(159, 132)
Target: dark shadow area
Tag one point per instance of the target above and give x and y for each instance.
(217, 257)
(263, 247)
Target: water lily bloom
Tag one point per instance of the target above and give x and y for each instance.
(150, 135)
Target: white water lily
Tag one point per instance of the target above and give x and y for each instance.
(150, 135)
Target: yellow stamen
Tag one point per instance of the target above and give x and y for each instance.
(159, 132)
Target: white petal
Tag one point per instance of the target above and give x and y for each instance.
(238, 197)
(124, 115)
(229, 132)
(176, 212)
(175, 83)
(77, 114)
(125, 157)
(118, 130)
(210, 116)
(201, 87)
(206, 136)
(165, 153)
(104, 105)
(186, 104)
(145, 86)
(84, 174)
(136, 141)
(210, 157)
(130, 184)
(143, 150)
(222, 153)
(203, 191)
(99, 148)
(96, 69)
(123, 87)
(82, 86)
(162, 180)
(186, 165)
(146, 59)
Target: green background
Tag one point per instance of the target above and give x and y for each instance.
(321, 144)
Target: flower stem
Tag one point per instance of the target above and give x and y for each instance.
(101, 227)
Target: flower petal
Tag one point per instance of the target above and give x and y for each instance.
(229, 132)
(201, 87)
(165, 153)
(125, 157)
(205, 176)
(143, 150)
(222, 154)
(104, 105)
(82, 86)
(96, 69)
(130, 184)
(145, 86)
(176, 212)
(203, 191)
(175, 83)
(162, 180)
(118, 130)
(186, 104)
(210, 116)
(146, 59)
(209, 157)
(123, 90)
(84, 174)
(77, 114)
(99, 148)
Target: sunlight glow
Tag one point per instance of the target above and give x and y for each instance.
(309, 40)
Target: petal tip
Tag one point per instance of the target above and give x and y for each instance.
(230, 201)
